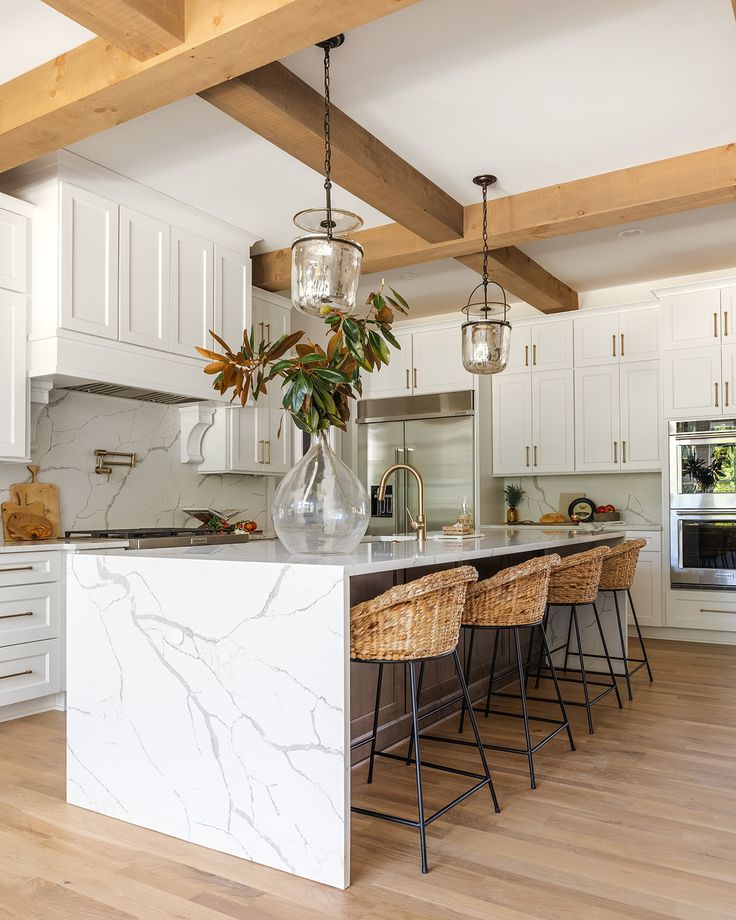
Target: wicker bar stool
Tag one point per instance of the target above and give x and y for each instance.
(514, 599)
(574, 583)
(412, 624)
(619, 569)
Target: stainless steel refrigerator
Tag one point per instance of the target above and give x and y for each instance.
(435, 434)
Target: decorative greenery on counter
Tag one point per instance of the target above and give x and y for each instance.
(317, 383)
(513, 495)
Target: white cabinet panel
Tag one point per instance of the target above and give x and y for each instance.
(512, 424)
(553, 422)
(89, 263)
(395, 378)
(638, 335)
(596, 340)
(728, 374)
(691, 320)
(29, 671)
(728, 315)
(552, 345)
(14, 406)
(691, 381)
(29, 613)
(192, 292)
(701, 610)
(13, 251)
(520, 350)
(646, 591)
(640, 428)
(270, 320)
(144, 280)
(29, 568)
(438, 365)
(597, 418)
(232, 294)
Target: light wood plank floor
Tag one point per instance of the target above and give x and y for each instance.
(639, 823)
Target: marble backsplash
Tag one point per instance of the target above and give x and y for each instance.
(153, 493)
(638, 496)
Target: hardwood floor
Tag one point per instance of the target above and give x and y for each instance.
(639, 823)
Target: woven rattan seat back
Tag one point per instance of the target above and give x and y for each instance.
(514, 597)
(619, 567)
(576, 579)
(417, 620)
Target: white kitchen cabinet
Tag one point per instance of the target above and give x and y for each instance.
(520, 349)
(512, 424)
(728, 378)
(14, 405)
(192, 312)
(728, 315)
(640, 432)
(271, 316)
(597, 418)
(639, 335)
(691, 382)
(552, 345)
(553, 422)
(245, 440)
(437, 362)
(394, 378)
(88, 263)
(144, 280)
(646, 591)
(274, 429)
(617, 338)
(688, 609)
(13, 251)
(693, 320)
(233, 311)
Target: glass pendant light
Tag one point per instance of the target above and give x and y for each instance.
(325, 265)
(485, 341)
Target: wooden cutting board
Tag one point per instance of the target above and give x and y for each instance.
(28, 493)
(25, 522)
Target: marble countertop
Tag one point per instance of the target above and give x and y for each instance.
(382, 556)
(583, 528)
(70, 546)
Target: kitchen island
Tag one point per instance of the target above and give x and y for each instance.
(209, 687)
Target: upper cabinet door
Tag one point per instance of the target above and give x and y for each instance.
(691, 381)
(640, 429)
(270, 322)
(638, 335)
(691, 320)
(512, 424)
(596, 340)
(13, 376)
(232, 295)
(728, 361)
(520, 350)
(728, 315)
(552, 346)
(89, 263)
(13, 251)
(192, 293)
(597, 439)
(553, 422)
(394, 378)
(438, 363)
(144, 280)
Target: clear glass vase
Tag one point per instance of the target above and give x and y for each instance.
(320, 506)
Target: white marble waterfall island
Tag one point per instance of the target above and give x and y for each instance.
(208, 689)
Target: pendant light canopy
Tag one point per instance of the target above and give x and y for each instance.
(325, 265)
(485, 340)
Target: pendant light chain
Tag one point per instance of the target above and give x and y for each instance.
(328, 147)
(485, 247)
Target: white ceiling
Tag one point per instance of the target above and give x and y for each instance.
(536, 92)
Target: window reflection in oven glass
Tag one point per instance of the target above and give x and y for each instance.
(709, 545)
(708, 468)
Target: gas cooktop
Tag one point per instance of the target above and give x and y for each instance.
(159, 537)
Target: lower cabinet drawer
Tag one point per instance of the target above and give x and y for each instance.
(30, 670)
(702, 610)
(29, 568)
(29, 613)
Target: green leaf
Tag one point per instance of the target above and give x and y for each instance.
(379, 347)
(403, 304)
(351, 329)
(331, 375)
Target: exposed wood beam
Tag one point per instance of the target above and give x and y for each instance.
(278, 105)
(683, 183)
(143, 28)
(526, 279)
(97, 86)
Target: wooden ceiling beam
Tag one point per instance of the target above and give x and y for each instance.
(97, 86)
(141, 28)
(525, 278)
(683, 183)
(278, 105)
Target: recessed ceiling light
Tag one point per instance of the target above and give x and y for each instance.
(405, 276)
(630, 232)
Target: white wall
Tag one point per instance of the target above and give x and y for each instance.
(149, 495)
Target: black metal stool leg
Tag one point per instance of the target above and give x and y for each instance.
(528, 668)
(375, 724)
(624, 652)
(569, 638)
(608, 657)
(420, 797)
(583, 673)
(476, 733)
(540, 659)
(496, 640)
(468, 663)
(641, 638)
(419, 696)
(524, 707)
(553, 672)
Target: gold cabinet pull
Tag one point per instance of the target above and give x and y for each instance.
(615, 451)
(408, 385)
(622, 345)
(726, 401)
(613, 346)
(268, 445)
(260, 451)
(16, 568)
(535, 456)
(262, 332)
(711, 610)
(415, 378)
(534, 354)
(526, 356)
(715, 325)
(12, 616)
(725, 323)
(268, 332)
(17, 674)
(716, 386)
(623, 451)
(527, 454)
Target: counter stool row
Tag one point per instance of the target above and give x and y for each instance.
(421, 621)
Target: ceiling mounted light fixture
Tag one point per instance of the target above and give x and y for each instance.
(485, 341)
(325, 265)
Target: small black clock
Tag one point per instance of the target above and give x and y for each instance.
(582, 508)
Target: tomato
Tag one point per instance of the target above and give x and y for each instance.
(250, 526)
(609, 508)
(600, 509)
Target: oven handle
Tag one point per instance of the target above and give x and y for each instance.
(719, 514)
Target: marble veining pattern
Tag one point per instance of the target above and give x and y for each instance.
(213, 708)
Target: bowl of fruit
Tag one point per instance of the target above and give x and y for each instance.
(606, 513)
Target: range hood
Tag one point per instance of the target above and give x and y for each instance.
(123, 392)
